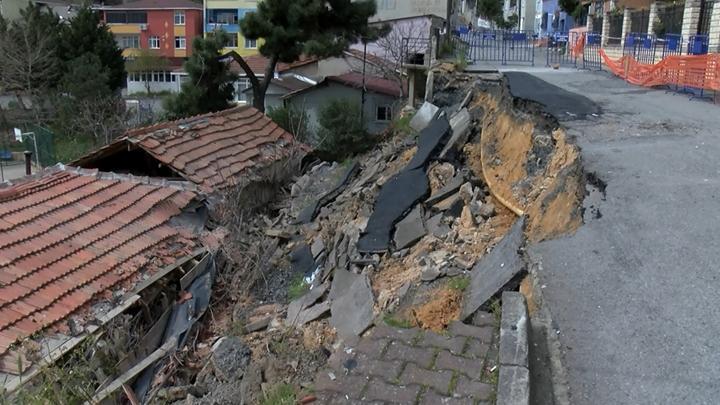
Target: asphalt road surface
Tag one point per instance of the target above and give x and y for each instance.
(635, 292)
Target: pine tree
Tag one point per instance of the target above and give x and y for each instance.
(84, 34)
(290, 28)
(210, 86)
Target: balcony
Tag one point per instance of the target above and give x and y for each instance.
(225, 19)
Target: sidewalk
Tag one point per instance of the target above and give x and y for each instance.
(634, 292)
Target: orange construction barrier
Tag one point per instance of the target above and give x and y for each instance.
(696, 71)
(579, 46)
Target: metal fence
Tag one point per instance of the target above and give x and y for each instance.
(559, 50)
(648, 48)
(669, 19)
(616, 23)
(639, 21)
(706, 8)
(504, 46)
(597, 24)
(591, 52)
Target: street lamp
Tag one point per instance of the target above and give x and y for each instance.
(19, 135)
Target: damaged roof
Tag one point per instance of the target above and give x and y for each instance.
(355, 80)
(212, 150)
(69, 237)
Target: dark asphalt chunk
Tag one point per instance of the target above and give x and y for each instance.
(396, 197)
(562, 104)
(308, 213)
(429, 142)
(301, 260)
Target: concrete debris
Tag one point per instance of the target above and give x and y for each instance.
(298, 305)
(466, 192)
(318, 246)
(466, 218)
(230, 358)
(451, 205)
(259, 324)
(449, 188)
(429, 86)
(437, 226)
(352, 311)
(410, 229)
(460, 124)
(302, 260)
(495, 270)
(429, 141)
(487, 210)
(431, 273)
(312, 313)
(423, 116)
(309, 213)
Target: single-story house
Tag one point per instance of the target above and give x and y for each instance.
(215, 151)
(169, 79)
(278, 88)
(382, 98)
(81, 250)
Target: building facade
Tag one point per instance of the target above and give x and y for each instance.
(394, 9)
(226, 15)
(165, 27)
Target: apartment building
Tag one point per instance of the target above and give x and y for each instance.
(165, 26)
(226, 15)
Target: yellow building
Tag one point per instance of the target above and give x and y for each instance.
(226, 15)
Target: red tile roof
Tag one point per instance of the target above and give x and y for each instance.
(69, 237)
(375, 84)
(212, 150)
(371, 58)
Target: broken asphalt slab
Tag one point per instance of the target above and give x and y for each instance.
(562, 104)
(396, 197)
(423, 116)
(351, 311)
(429, 141)
(302, 260)
(495, 270)
(310, 212)
(410, 229)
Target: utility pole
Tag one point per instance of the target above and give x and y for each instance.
(362, 99)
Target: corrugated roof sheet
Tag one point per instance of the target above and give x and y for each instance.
(69, 237)
(211, 150)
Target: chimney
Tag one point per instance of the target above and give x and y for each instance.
(28, 162)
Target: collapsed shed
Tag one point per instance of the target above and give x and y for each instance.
(82, 249)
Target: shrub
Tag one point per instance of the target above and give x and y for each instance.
(342, 133)
(292, 120)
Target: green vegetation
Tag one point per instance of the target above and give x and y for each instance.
(459, 283)
(297, 288)
(292, 120)
(342, 133)
(281, 394)
(290, 28)
(395, 322)
(210, 86)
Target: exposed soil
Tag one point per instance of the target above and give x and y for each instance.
(442, 308)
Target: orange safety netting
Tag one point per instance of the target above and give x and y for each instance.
(697, 71)
(579, 46)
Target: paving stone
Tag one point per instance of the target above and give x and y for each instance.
(439, 380)
(514, 330)
(453, 343)
(468, 388)
(378, 390)
(484, 334)
(362, 364)
(473, 368)
(477, 349)
(399, 351)
(495, 270)
(410, 229)
(513, 386)
(352, 312)
(482, 318)
(373, 348)
(433, 398)
(347, 385)
(405, 335)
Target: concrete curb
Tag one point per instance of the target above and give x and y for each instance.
(514, 376)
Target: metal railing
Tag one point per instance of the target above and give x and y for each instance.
(500, 46)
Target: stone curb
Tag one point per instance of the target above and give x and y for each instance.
(514, 376)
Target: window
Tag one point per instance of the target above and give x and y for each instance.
(223, 16)
(179, 17)
(232, 41)
(387, 5)
(128, 41)
(179, 42)
(126, 17)
(240, 86)
(384, 113)
(250, 43)
(154, 42)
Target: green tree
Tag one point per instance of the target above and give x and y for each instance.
(210, 86)
(85, 34)
(568, 6)
(146, 61)
(490, 10)
(290, 28)
(342, 133)
(291, 119)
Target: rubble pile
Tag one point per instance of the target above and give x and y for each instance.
(396, 235)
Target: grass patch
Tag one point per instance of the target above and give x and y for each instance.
(395, 322)
(460, 283)
(402, 125)
(496, 310)
(281, 394)
(297, 288)
(69, 148)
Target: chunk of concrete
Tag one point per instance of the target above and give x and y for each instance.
(318, 246)
(342, 280)
(495, 270)
(312, 313)
(514, 330)
(460, 125)
(411, 229)
(423, 116)
(449, 188)
(437, 227)
(352, 312)
(513, 386)
(298, 305)
(230, 358)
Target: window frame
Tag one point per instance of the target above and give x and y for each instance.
(181, 14)
(387, 113)
(151, 39)
(179, 39)
(253, 41)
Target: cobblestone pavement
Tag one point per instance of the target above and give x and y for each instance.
(412, 366)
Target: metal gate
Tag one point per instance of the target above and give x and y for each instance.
(591, 52)
(649, 49)
(559, 50)
(504, 46)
